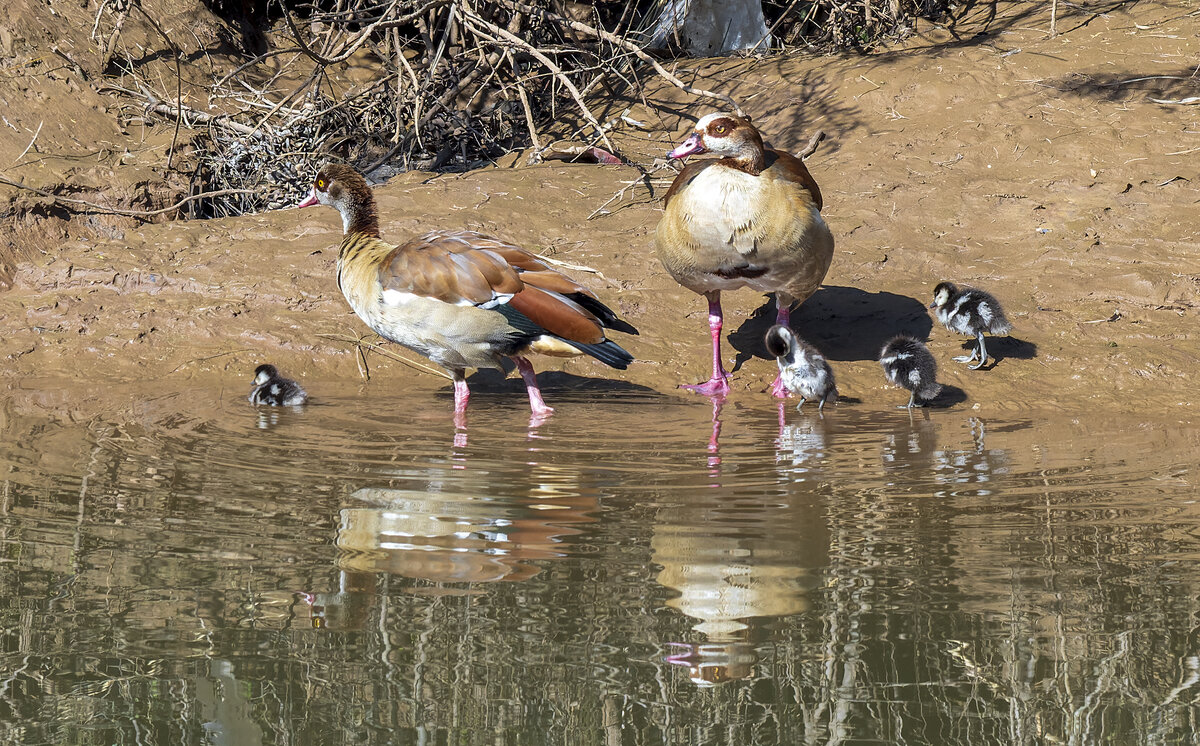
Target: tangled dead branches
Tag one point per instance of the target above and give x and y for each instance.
(391, 85)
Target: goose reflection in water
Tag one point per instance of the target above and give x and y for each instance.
(733, 563)
(455, 537)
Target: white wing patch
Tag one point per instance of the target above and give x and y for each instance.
(498, 299)
(397, 298)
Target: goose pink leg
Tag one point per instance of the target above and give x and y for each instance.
(461, 395)
(782, 316)
(536, 403)
(718, 385)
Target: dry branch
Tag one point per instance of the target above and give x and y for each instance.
(117, 210)
(628, 46)
(457, 84)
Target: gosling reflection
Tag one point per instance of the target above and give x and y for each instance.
(732, 565)
(457, 538)
(345, 608)
(914, 449)
(909, 441)
(802, 444)
(976, 464)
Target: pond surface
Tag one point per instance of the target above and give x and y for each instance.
(192, 570)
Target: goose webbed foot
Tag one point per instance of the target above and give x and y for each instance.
(717, 386)
(778, 390)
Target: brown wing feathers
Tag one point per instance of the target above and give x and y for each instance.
(457, 266)
(558, 315)
(448, 270)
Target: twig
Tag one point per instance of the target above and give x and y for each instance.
(206, 358)
(177, 54)
(533, 133)
(30, 145)
(628, 46)
(812, 145)
(119, 211)
(389, 354)
(1139, 80)
(550, 65)
(645, 178)
(568, 265)
(172, 109)
(353, 45)
(71, 61)
(111, 45)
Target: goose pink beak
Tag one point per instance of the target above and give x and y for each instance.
(690, 146)
(310, 200)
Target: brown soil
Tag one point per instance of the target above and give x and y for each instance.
(1040, 168)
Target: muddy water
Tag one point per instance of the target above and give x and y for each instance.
(186, 569)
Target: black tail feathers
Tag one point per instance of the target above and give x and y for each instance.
(608, 352)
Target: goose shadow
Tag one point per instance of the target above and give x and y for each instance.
(555, 383)
(844, 323)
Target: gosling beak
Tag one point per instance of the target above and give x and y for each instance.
(690, 146)
(310, 200)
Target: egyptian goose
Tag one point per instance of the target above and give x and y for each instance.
(804, 371)
(969, 311)
(750, 218)
(907, 363)
(462, 299)
(272, 389)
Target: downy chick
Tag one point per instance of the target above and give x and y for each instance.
(972, 312)
(274, 390)
(803, 371)
(907, 363)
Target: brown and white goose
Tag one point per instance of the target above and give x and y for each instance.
(749, 218)
(462, 299)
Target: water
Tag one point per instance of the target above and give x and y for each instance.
(185, 569)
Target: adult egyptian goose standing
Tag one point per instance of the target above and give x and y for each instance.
(750, 218)
(462, 299)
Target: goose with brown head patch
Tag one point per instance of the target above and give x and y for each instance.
(749, 218)
(462, 299)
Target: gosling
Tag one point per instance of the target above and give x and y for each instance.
(907, 363)
(274, 390)
(802, 370)
(970, 311)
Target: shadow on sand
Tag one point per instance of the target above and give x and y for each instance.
(999, 348)
(844, 323)
(554, 384)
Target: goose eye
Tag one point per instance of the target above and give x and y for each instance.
(321, 184)
(721, 129)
